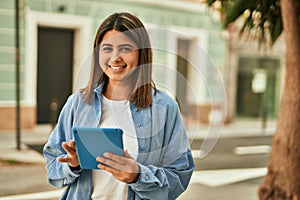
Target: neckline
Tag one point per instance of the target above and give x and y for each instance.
(107, 101)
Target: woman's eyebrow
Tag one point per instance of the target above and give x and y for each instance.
(106, 45)
(126, 45)
(120, 45)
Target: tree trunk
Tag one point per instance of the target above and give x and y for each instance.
(283, 178)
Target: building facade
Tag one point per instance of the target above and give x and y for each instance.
(202, 66)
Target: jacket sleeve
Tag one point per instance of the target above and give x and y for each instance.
(170, 177)
(60, 174)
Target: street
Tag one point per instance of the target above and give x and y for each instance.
(234, 169)
(243, 170)
(223, 155)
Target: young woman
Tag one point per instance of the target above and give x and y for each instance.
(157, 161)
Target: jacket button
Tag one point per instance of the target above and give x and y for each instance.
(143, 147)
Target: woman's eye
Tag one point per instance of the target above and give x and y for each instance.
(126, 49)
(107, 49)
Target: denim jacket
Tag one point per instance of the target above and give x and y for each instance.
(164, 157)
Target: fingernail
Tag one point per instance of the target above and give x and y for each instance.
(99, 159)
(105, 154)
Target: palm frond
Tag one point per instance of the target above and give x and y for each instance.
(237, 9)
(276, 30)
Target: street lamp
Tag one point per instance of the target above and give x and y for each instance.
(17, 59)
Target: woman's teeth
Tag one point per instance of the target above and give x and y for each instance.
(116, 68)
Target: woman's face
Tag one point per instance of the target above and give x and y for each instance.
(118, 55)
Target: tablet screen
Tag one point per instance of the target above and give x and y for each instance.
(93, 142)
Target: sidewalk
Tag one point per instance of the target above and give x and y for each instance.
(22, 171)
(242, 128)
(29, 174)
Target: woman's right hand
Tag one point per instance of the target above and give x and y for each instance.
(72, 158)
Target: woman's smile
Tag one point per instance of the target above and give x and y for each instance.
(117, 68)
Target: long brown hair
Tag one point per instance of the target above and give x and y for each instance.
(129, 24)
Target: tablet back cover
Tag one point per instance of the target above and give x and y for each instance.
(93, 142)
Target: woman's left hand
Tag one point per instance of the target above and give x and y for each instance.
(124, 168)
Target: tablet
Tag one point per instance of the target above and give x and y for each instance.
(93, 142)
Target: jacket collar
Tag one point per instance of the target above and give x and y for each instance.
(99, 88)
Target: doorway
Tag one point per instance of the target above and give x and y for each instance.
(258, 87)
(182, 70)
(54, 71)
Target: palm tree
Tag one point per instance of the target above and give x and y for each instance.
(271, 18)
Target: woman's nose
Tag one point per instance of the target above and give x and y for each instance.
(115, 57)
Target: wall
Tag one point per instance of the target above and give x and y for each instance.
(152, 14)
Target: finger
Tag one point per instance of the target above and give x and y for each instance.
(108, 162)
(104, 167)
(65, 146)
(107, 168)
(68, 149)
(126, 154)
(115, 157)
(121, 168)
(65, 160)
(120, 175)
(116, 173)
(68, 160)
(72, 144)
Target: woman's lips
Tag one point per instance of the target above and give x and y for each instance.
(116, 67)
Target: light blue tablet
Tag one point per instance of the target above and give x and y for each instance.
(93, 142)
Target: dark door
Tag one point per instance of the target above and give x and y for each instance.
(54, 73)
(256, 104)
(182, 70)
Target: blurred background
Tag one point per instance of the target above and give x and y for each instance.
(228, 87)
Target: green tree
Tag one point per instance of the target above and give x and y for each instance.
(271, 18)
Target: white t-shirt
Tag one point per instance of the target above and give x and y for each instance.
(115, 114)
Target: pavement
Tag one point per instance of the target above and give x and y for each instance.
(217, 176)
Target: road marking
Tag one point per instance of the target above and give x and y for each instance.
(215, 178)
(246, 150)
(33, 196)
